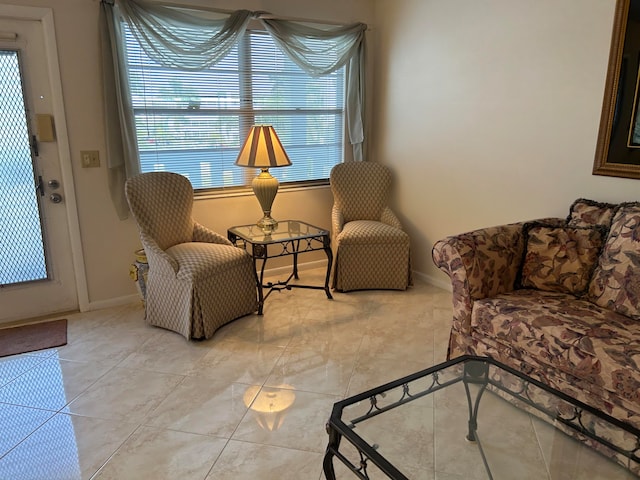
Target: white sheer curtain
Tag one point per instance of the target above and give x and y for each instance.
(196, 39)
(345, 44)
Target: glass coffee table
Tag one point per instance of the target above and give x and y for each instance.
(475, 418)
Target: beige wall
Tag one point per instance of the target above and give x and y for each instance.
(108, 243)
(488, 112)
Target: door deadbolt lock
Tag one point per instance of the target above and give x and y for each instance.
(53, 184)
(55, 198)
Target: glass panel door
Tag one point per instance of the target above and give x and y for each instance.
(37, 264)
(22, 255)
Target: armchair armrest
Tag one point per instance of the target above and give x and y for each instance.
(203, 234)
(337, 221)
(390, 218)
(158, 259)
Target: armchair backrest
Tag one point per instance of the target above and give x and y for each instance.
(161, 204)
(360, 189)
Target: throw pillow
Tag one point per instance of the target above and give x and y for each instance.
(587, 213)
(560, 259)
(616, 279)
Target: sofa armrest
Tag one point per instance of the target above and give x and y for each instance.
(482, 263)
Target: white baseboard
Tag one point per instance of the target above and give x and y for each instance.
(301, 267)
(435, 281)
(129, 299)
(112, 302)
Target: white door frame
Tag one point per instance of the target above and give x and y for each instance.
(45, 16)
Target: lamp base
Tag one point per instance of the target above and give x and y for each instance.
(265, 188)
(267, 223)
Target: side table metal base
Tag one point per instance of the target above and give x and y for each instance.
(292, 237)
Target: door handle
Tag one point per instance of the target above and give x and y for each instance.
(40, 186)
(55, 198)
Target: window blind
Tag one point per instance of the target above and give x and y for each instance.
(194, 122)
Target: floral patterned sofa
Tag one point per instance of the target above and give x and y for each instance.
(558, 299)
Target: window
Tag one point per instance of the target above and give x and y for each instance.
(194, 122)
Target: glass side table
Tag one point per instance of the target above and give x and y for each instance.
(291, 237)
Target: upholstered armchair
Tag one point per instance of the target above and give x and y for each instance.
(370, 248)
(197, 280)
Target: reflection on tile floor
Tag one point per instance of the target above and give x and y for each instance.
(127, 401)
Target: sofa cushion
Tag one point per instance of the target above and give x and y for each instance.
(586, 213)
(616, 279)
(578, 388)
(575, 336)
(559, 259)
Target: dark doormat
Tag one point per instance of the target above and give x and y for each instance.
(32, 337)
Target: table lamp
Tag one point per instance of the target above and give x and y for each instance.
(262, 149)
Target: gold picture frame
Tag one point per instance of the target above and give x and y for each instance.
(617, 154)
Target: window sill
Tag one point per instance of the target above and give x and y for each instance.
(246, 191)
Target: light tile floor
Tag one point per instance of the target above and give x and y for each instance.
(123, 400)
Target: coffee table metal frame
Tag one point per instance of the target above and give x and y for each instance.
(475, 371)
(292, 237)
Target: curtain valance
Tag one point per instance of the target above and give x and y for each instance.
(196, 39)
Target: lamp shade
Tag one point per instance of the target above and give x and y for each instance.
(262, 149)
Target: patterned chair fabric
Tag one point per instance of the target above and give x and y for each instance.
(370, 248)
(197, 280)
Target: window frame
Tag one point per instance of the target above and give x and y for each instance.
(246, 118)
